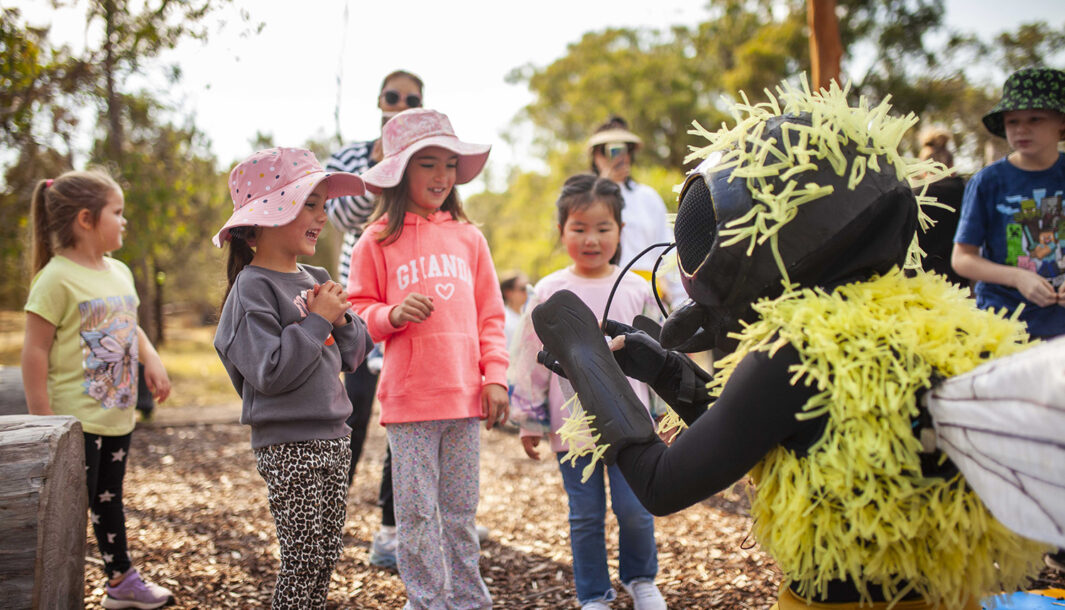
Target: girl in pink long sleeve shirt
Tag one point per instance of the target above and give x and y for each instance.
(426, 286)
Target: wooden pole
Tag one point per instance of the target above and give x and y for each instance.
(826, 50)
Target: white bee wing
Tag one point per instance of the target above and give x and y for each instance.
(1003, 425)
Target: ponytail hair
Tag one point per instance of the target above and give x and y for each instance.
(393, 203)
(240, 255)
(55, 207)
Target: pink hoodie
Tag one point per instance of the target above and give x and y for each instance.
(433, 370)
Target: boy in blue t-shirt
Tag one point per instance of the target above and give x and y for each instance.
(1011, 235)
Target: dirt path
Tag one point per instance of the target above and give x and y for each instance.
(199, 523)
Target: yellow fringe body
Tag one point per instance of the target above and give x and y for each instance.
(856, 506)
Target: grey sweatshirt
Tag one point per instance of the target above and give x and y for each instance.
(285, 362)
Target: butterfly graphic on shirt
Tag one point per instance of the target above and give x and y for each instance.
(110, 367)
(116, 358)
(108, 333)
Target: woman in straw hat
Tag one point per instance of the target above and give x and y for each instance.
(612, 150)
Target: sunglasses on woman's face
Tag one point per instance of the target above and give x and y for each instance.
(392, 98)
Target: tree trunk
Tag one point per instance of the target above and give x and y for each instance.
(42, 512)
(114, 111)
(157, 303)
(826, 50)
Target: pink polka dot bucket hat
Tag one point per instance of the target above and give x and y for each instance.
(270, 187)
(416, 129)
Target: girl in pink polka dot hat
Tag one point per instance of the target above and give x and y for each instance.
(284, 336)
(268, 187)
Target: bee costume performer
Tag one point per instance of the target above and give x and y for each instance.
(869, 405)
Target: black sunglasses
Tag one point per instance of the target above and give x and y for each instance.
(392, 98)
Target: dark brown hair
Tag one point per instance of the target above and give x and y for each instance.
(393, 202)
(404, 73)
(56, 205)
(240, 255)
(582, 190)
(509, 281)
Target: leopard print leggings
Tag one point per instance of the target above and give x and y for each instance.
(307, 487)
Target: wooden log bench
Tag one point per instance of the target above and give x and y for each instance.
(42, 512)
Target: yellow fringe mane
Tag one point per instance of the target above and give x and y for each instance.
(856, 506)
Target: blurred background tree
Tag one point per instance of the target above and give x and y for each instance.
(167, 170)
(661, 81)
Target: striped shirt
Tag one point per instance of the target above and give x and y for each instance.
(348, 214)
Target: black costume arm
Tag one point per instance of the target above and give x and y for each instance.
(682, 384)
(672, 375)
(755, 412)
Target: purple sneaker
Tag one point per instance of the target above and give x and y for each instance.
(133, 592)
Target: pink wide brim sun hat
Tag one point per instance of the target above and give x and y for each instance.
(270, 187)
(417, 129)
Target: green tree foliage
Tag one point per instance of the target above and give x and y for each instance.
(33, 74)
(174, 193)
(175, 200)
(521, 224)
(661, 80)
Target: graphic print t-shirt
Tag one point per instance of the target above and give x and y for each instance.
(92, 367)
(1016, 217)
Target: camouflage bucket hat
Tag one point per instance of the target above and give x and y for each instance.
(1028, 89)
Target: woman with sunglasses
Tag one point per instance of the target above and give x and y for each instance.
(400, 90)
(612, 149)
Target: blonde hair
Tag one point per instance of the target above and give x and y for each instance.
(56, 205)
(934, 141)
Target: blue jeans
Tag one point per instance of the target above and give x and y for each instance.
(638, 556)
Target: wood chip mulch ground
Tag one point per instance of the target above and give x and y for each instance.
(199, 524)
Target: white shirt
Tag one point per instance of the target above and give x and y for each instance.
(646, 223)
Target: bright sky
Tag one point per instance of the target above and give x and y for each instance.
(283, 81)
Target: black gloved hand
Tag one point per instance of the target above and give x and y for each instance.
(545, 358)
(570, 332)
(642, 358)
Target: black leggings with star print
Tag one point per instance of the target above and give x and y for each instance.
(105, 467)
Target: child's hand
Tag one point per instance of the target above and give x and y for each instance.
(1061, 295)
(414, 308)
(1036, 288)
(495, 405)
(529, 443)
(156, 378)
(328, 300)
(343, 319)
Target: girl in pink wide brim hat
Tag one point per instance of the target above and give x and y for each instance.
(422, 277)
(416, 129)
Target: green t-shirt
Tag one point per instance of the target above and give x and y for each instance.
(92, 367)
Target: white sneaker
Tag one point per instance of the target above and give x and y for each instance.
(383, 549)
(645, 595)
(596, 605)
(483, 534)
